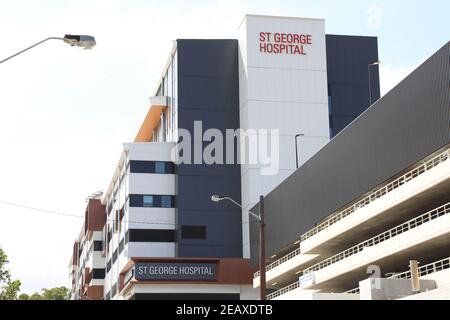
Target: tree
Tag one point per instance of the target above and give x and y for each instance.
(58, 293)
(8, 288)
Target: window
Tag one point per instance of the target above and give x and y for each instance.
(148, 235)
(98, 274)
(166, 202)
(148, 201)
(98, 245)
(121, 245)
(193, 232)
(114, 290)
(151, 201)
(114, 257)
(160, 167)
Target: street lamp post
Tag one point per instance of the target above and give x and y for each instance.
(372, 64)
(262, 240)
(83, 41)
(296, 148)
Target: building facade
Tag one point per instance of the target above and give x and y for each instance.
(371, 201)
(87, 264)
(163, 237)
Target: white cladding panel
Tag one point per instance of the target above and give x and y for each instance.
(287, 85)
(151, 249)
(281, 91)
(151, 183)
(315, 53)
(150, 151)
(302, 115)
(151, 218)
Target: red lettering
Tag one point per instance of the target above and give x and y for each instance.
(262, 47)
(262, 37)
(287, 43)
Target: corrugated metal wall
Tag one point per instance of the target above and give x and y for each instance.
(403, 127)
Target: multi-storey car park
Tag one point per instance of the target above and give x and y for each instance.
(162, 237)
(373, 199)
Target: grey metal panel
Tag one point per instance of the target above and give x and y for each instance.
(408, 124)
(348, 76)
(208, 90)
(208, 58)
(214, 94)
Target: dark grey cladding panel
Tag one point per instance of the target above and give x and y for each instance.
(220, 226)
(340, 122)
(216, 119)
(206, 251)
(408, 124)
(348, 76)
(349, 100)
(194, 193)
(208, 58)
(348, 57)
(208, 90)
(214, 93)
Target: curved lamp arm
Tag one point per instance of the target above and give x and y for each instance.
(31, 47)
(86, 42)
(217, 198)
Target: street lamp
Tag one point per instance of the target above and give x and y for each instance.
(262, 240)
(296, 151)
(83, 41)
(372, 64)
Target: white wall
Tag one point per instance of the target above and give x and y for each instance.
(285, 92)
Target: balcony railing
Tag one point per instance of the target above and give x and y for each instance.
(280, 261)
(426, 269)
(411, 224)
(412, 174)
(284, 290)
(416, 172)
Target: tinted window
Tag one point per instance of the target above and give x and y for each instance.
(166, 202)
(114, 257)
(148, 201)
(98, 274)
(121, 245)
(151, 167)
(114, 290)
(160, 167)
(144, 235)
(193, 232)
(98, 245)
(151, 201)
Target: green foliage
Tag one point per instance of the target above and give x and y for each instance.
(8, 289)
(58, 293)
(24, 296)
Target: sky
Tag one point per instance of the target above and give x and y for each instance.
(64, 112)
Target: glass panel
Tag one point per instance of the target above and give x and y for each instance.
(160, 167)
(166, 202)
(148, 201)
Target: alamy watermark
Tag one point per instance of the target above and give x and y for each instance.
(254, 147)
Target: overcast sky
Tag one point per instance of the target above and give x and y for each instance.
(64, 112)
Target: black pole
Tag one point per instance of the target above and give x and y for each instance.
(370, 85)
(296, 149)
(262, 250)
